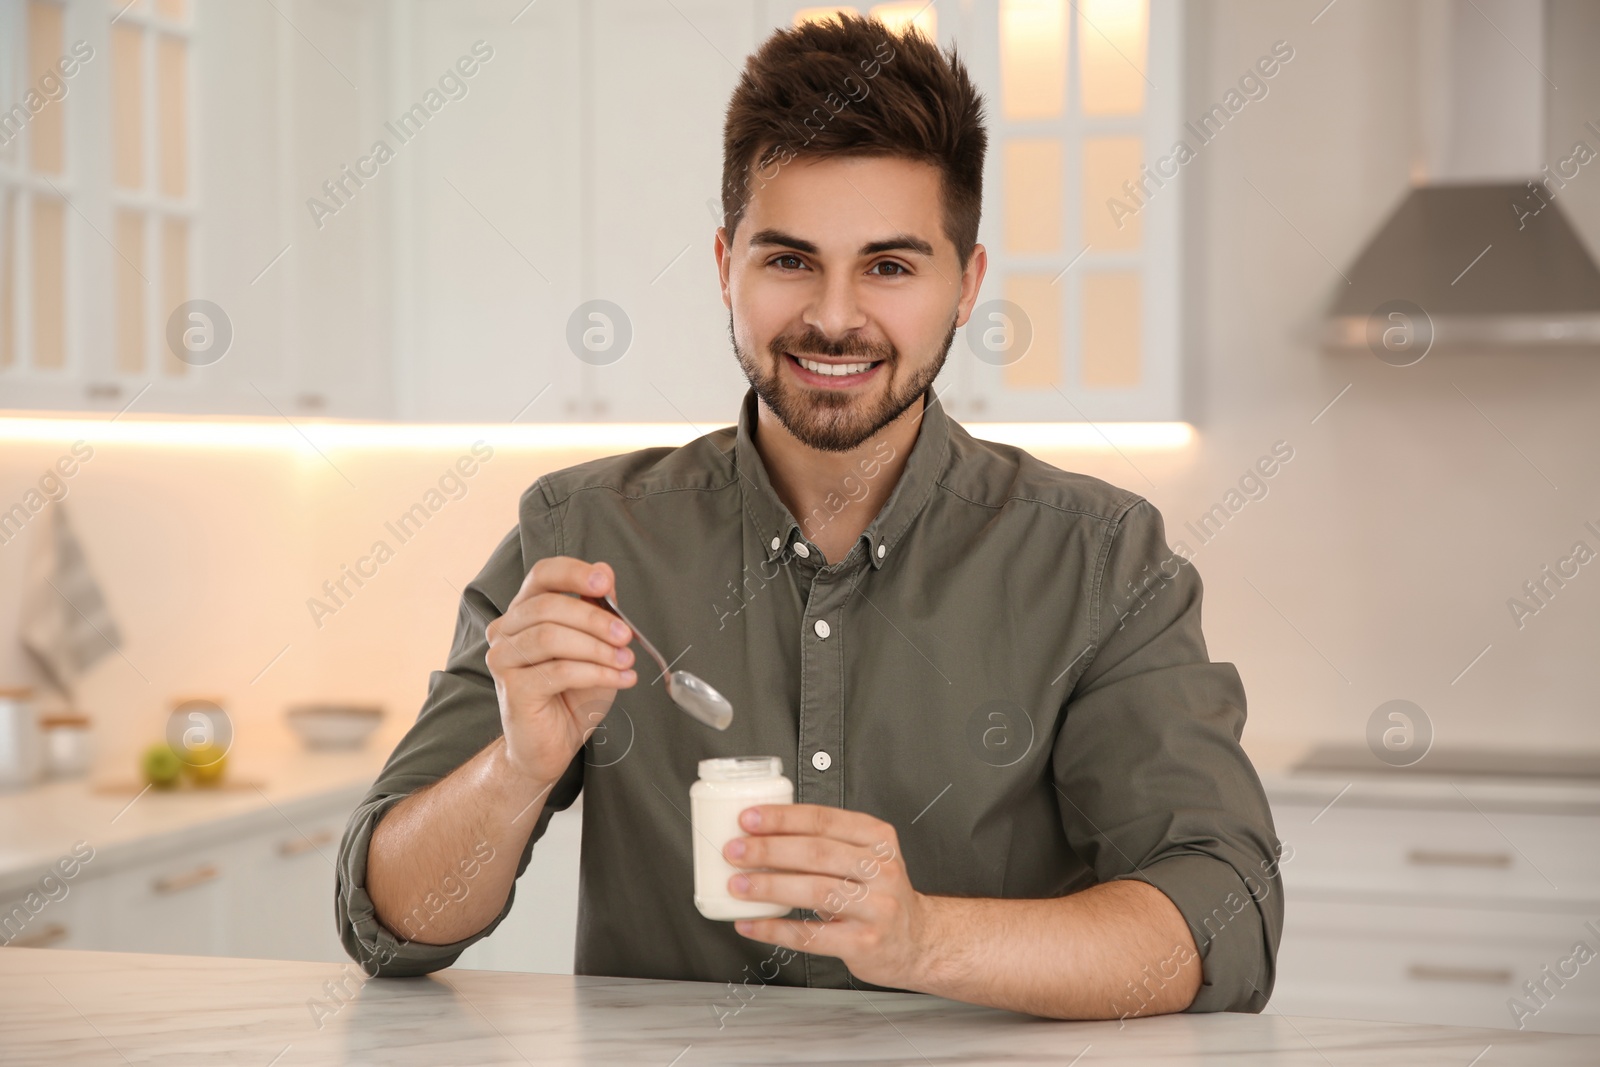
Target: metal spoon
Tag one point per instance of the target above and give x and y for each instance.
(687, 691)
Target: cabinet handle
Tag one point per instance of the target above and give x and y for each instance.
(1426, 857)
(177, 883)
(1427, 972)
(44, 937)
(301, 845)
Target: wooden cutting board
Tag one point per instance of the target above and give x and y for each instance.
(131, 789)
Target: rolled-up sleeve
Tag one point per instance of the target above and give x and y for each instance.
(1154, 783)
(459, 717)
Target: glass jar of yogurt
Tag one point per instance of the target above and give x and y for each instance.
(726, 787)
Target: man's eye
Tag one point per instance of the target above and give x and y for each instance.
(899, 268)
(780, 261)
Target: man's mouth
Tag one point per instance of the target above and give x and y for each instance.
(833, 373)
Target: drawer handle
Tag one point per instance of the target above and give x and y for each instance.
(1425, 972)
(177, 883)
(1424, 857)
(301, 845)
(46, 936)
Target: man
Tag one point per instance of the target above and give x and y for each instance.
(1018, 777)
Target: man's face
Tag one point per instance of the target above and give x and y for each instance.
(844, 293)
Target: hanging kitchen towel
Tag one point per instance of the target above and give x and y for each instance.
(66, 624)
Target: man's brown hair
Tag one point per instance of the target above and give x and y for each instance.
(850, 86)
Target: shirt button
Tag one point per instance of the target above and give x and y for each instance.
(821, 760)
(801, 550)
(821, 626)
(777, 543)
(881, 550)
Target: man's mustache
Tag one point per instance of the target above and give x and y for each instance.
(820, 347)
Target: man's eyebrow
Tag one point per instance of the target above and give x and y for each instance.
(897, 243)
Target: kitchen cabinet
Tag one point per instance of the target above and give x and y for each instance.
(265, 890)
(570, 188)
(1410, 961)
(248, 124)
(176, 905)
(76, 921)
(263, 887)
(540, 932)
(1436, 906)
(486, 213)
(281, 901)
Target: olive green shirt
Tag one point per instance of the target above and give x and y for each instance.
(1007, 666)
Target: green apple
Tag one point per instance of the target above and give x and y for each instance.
(161, 766)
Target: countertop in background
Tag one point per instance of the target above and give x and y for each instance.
(41, 824)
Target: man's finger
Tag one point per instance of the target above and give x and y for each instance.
(812, 855)
(830, 898)
(565, 574)
(546, 641)
(822, 938)
(816, 820)
(567, 611)
(541, 682)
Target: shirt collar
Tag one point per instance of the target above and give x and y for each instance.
(777, 529)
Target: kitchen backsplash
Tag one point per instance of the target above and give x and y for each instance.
(1375, 561)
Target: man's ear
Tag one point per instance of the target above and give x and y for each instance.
(971, 283)
(723, 251)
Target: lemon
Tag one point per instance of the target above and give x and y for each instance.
(206, 764)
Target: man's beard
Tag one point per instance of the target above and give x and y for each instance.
(825, 419)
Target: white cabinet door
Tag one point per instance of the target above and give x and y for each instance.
(657, 80)
(282, 903)
(486, 231)
(541, 931)
(44, 917)
(1444, 965)
(1439, 914)
(174, 905)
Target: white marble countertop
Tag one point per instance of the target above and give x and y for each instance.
(38, 825)
(88, 1008)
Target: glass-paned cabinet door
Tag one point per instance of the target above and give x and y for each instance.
(97, 199)
(1078, 316)
(37, 174)
(152, 188)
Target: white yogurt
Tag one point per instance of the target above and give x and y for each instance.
(726, 787)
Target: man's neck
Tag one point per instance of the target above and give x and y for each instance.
(835, 495)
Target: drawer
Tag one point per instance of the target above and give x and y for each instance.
(176, 905)
(1448, 966)
(1442, 854)
(47, 917)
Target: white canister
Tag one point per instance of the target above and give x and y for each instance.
(727, 787)
(21, 743)
(67, 751)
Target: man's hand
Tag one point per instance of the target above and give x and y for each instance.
(557, 664)
(1120, 948)
(845, 866)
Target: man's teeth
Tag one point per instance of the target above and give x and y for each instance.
(835, 369)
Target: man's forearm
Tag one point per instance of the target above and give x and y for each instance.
(441, 862)
(1116, 949)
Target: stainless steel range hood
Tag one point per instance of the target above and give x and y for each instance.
(1483, 274)
(1481, 243)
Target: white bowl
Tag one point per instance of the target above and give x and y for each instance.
(334, 725)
